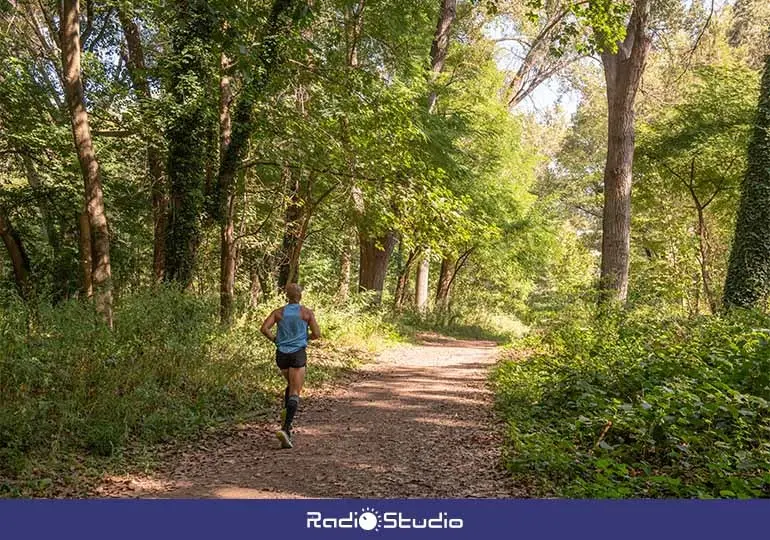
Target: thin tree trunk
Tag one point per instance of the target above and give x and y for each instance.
(18, 256)
(73, 89)
(403, 279)
(346, 257)
(296, 220)
(228, 247)
(705, 261)
(421, 284)
(292, 216)
(86, 257)
(400, 294)
(438, 54)
(450, 268)
(141, 85)
(623, 71)
(695, 308)
(445, 279)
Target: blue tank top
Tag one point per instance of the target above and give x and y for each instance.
(292, 330)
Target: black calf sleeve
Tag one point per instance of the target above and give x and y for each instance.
(291, 409)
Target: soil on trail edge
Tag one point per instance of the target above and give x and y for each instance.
(417, 422)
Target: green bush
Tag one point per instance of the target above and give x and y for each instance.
(641, 407)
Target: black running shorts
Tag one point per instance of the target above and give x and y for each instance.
(297, 359)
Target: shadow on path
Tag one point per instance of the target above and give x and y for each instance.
(416, 423)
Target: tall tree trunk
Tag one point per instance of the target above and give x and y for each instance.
(346, 257)
(440, 45)
(86, 257)
(438, 53)
(242, 128)
(695, 307)
(375, 254)
(421, 283)
(18, 256)
(89, 166)
(188, 137)
(623, 71)
(227, 225)
(141, 85)
(400, 294)
(287, 269)
(748, 272)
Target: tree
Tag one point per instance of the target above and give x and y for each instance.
(692, 158)
(94, 198)
(277, 25)
(748, 274)
(623, 72)
(545, 38)
(141, 84)
(438, 53)
(188, 134)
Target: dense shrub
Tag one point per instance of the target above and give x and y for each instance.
(641, 407)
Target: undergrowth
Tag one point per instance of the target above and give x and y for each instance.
(639, 406)
(73, 392)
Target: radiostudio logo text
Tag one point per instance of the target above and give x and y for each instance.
(369, 519)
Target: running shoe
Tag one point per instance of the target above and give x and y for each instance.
(285, 439)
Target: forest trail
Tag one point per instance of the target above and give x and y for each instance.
(417, 422)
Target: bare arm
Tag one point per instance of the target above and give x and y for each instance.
(315, 331)
(267, 327)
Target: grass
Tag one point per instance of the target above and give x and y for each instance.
(79, 400)
(478, 326)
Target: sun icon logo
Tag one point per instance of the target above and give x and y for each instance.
(369, 520)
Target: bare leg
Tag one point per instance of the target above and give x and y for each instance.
(296, 378)
(285, 373)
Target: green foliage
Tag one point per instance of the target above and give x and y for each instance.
(190, 133)
(694, 152)
(641, 406)
(69, 385)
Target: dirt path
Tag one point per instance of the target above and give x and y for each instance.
(415, 423)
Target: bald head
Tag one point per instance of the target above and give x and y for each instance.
(294, 292)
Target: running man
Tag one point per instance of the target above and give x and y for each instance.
(291, 338)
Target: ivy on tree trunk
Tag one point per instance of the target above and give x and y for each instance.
(748, 273)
